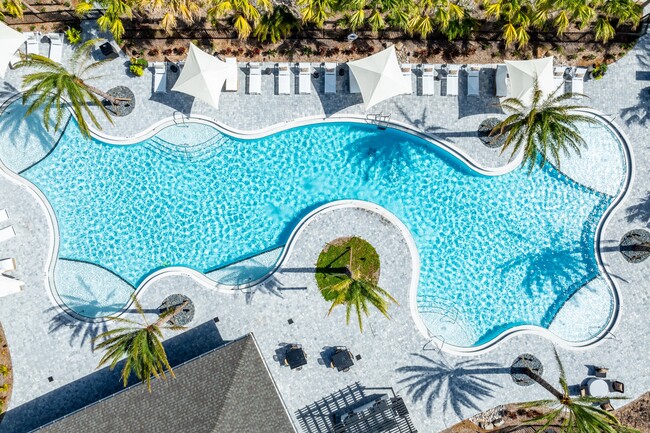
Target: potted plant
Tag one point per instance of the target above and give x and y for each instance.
(599, 71)
(137, 66)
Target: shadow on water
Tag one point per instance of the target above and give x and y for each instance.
(103, 383)
(460, 386)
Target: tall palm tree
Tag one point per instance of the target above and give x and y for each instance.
(317, 11)
(355, 290)
(517, 16)
(431, 15)
(543, 128)
(186, 10)
(114, 11)
(622, 11)
(376, 13)
(54, 86)
(276, 25)
(244, 14)
(574, 414)
(141, 344)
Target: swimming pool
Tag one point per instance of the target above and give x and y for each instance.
(495, 252)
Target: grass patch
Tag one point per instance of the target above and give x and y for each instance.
(344, 258)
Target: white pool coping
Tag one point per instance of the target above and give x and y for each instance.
(443, 144)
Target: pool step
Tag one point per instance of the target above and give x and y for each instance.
(196, 152)
(431, 304)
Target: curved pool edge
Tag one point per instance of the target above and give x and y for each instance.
(443, 144)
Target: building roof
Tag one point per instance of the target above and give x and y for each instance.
(226, 390)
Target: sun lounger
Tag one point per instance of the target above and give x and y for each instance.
(601, 371)
(578, 80)
(159, 77)
(9, 286)
(354, 86)
(452, 79)
(618, 386)
(330, 77)
(428, 79)
(31, 43)
(284, 79)
(56, 46)
(473, 81)
(407, 73)
(4, 216)
(607, 407)
(254, 78)
(304, 78)
(232, 78)
(558, 79)
(7, 265)
(7, 233)
(501, 79)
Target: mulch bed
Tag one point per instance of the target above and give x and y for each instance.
(6, 378)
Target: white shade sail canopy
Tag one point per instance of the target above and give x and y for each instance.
(202, 76)
(10, 41)
(379, 77)
(522, 77)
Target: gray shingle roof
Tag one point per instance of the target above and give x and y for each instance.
(226, 390)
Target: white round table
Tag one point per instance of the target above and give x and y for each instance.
(598, 388)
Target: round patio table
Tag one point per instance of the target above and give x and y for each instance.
(598, 388)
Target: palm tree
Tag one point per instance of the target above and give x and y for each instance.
(276, 25)
(517, 16)
(353, 289)
(187, 10)
(542, 129)
(111, 19)
(622, 11)
(317, 11)
(13, 8)
(431, 15)
(376, 13)
(574, 414)
(141, 343)
(53, 85)
(244, 13)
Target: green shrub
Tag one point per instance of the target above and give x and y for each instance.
(136, 70)
(136, 61)
(4, 370)
(73, 35)
(599, 71)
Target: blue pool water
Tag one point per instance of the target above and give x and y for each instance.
(495, 252)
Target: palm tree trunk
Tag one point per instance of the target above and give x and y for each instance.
(113, 100)
(167, 318)
(547, 386)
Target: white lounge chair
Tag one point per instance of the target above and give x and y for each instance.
(452, 80)
(304, 78)
(254, 78)
(232, 78)
(31, 43)
(9, 286)
(428, 79)
(354, 86)
(473, 81)
(407, 73)
(4, 216)
(7, 265)
(284, 79)
(7, 233)
(56, 46)
(330, 77)
(501, 79)
(578, 80)
(558, 79)
(159, 77)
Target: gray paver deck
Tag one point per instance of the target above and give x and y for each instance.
(41, 347)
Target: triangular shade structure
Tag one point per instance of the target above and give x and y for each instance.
(10, 41)
(379, 77)
(522, 77)
(202, 76)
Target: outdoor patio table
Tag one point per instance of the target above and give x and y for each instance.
(342, 360)
(296, 357)
(598, 388)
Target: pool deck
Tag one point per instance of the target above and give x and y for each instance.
(43, 343)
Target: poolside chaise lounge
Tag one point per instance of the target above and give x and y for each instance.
(407, 73)
(7, 233)
(501, 78)
(254, 78)
(558, 79)
(56, 46)
(159, 77)
(9, 286)
(618, 386)
(7, 265)
(601, 371)
(4, 216)
(232, 77)
(31, 43)
(452, 79)
(578, 80)
(607, 406)
(284, 82)
(330, 77)
(304, 78)
(473, 83)
(428, 79)
(354, 86)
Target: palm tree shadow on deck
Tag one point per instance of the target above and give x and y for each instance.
(640, 113)
(460, 386)
(639, 212)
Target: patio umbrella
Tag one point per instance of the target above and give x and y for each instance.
(379, 77)
(522, 77)
(202, 76)
(10, 41)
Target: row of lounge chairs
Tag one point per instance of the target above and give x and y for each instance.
(32, 46)
(8, 284)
